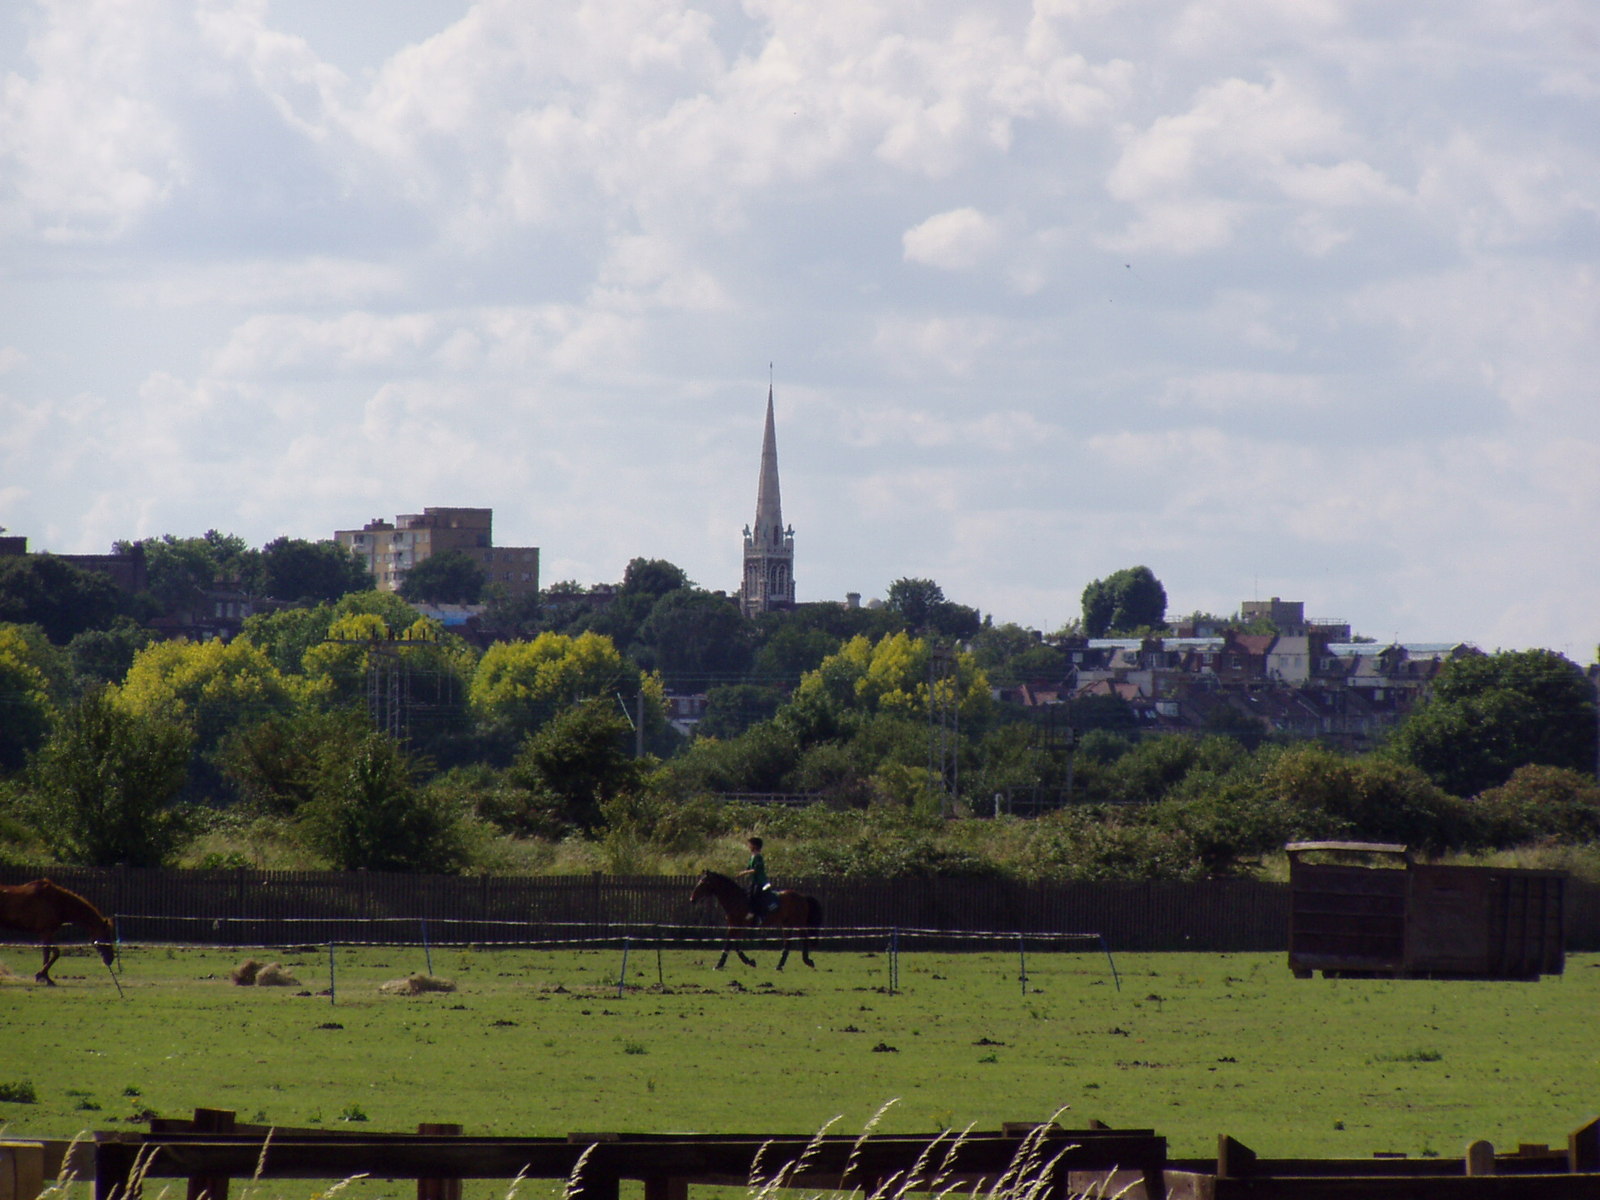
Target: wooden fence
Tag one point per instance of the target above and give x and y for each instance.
(245, 907)
(212, 1150)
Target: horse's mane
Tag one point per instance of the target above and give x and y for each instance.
(718, 875)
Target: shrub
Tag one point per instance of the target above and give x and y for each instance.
(367, 812)
(1540, 802)
(19, 1091)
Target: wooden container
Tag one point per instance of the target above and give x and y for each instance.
(1374, 911)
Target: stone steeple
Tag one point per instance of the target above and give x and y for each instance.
(768, 547)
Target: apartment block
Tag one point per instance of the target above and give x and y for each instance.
(391, 548)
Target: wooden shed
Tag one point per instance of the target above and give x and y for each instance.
(1366, 908)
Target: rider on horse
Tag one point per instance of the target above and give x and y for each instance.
(756, 871)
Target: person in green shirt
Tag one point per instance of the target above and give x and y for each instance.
(756, 872)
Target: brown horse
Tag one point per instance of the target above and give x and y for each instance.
(41, 908)
(794, 911)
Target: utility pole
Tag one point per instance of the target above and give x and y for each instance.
(944, 726)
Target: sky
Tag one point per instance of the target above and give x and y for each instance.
(1294, 298)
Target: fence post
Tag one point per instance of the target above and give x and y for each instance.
(1583, 1147)
(21, 1170)
(439, 1188)
(210, 1120)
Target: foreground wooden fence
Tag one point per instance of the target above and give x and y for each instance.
(212, 1150)
(273, 907)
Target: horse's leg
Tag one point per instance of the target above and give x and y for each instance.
(727, 944)
(51, 952)
(784, 957)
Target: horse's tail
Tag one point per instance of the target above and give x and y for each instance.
(813, 913)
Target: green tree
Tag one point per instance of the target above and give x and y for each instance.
(696, 639)
(366, 811)
(921, 604)
(275, 764)
(792, 650)
(448, 578)
(105, 655)
(1487, 715)
(1540, 803)
(653, 577)
(734, 708)
(1368, 799)
(43, 590)
(1123, 602)
(104, 787)
(575, 763)
(182, 570)
(295, 569)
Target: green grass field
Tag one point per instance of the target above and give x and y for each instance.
(539, 1042)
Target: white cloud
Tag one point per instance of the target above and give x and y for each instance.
(956, 240)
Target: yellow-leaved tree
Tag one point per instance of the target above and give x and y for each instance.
(892, 676)
(518, 686)
(209, 687)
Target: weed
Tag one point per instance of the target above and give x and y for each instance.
(1410, 1056)
(19, 1091)
(352, 1112)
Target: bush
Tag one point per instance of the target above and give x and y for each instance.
(103, 788)
(366, 812)
(1537, 803)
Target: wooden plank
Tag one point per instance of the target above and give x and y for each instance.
(436, 1187)
(21, 1170)
(210, 1187)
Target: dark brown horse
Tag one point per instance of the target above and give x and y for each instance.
(41, 908)
(794, 911)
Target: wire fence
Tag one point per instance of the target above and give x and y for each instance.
(310, 934)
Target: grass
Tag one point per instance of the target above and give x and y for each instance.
(539, 1043)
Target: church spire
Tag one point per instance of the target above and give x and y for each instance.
(769, 547)
(769, 502)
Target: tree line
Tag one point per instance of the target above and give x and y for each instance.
(345, 730)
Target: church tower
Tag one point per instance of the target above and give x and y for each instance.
(769, 547)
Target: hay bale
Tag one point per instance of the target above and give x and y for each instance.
(416, 985)
(245, 973)
(273, 975)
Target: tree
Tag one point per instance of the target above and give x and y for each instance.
(1365, 799)
(521, 685)
(577, 761)
(696, 639)
(275, 763)
(104, 786)
(32, 683)
(43, 590)
(367, 813)
(212, 687)
(1540, 802)
(1123, 602)
(295, 569)
(1487, 715)
(921, 604)
(653, 577)
(105, 655)
(448, 578)
(182, 570)
(889, 676)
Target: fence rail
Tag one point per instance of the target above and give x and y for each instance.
(1037, 1159)
(1234, 915)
